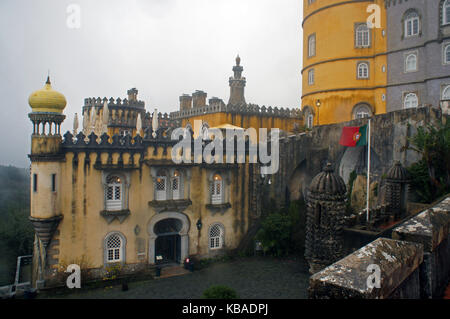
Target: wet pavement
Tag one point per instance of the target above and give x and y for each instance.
(251, 277)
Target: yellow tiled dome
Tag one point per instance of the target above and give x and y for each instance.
(47, 99)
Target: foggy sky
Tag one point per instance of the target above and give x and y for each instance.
(164, 48)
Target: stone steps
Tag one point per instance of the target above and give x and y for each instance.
(172, 271)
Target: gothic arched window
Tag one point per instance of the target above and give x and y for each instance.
(217, 190)
(114, 248)
(161, 185)
(446, 12)
(411, 63)
(412, 23)
(363, 70)
(411, 100)
(215, 236)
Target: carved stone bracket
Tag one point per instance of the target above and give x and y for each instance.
(109, 216)
(45, 228)
(174, 205)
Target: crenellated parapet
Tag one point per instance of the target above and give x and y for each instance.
(242, 109)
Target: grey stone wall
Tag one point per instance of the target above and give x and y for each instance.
(309, 152)
(432, 75)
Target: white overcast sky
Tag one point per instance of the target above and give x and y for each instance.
(164, 48)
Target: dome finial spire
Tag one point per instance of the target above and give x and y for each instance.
(48, 77)
(238, 60)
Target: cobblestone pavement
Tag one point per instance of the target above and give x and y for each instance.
(251, 277)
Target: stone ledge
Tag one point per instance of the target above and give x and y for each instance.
(429, 228)
(347, 278)
(222, 208)
(170, 205)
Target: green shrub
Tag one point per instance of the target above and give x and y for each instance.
(275, 233)
(220, 292)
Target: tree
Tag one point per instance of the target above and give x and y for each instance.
(431, 175)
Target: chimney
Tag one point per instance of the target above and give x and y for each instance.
(215, 101)
(132, 95)
(199, 98)
(185, 102)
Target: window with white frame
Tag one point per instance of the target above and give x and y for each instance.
(312, 45)
(114, 248)
(362, 36)
(411, 62)
(217, 190)
(446, 93)
(412, 24)
(311, 77)
(363, 70)
(114, 193)
(447, 53)
(176, 185)
(410, 101)
(215, 236)
(161, 185)
(446, 12)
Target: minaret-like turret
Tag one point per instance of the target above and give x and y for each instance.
(237, 84)
(47, 106)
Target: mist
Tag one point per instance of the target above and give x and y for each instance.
(164, 48)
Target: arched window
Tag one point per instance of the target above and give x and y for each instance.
(446, 12)
(361, 110)
(362, 36)
(215, 237)
(176, 185)
(114, 193)
(412, 24)
(411, 101)
(447, 54)
(312, 45)
(161, 185)
(363, 70)
(217, 190)
(446, 93)
(411, 63)
(114, 248)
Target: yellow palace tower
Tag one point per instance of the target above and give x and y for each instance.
(344, 60)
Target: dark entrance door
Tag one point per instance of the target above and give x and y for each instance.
(168, 246)
(168, 242)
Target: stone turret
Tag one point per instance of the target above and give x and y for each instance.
(325, 220)
(237, 84)
(397, 188)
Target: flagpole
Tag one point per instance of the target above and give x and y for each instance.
(368, 173)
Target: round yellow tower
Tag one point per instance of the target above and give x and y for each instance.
(344, 71)
(45, 208)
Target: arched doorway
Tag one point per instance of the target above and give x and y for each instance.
(168, 237)
(168, 242)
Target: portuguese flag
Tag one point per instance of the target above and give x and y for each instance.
(354, 136)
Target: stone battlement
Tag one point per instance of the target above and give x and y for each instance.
(244, 109)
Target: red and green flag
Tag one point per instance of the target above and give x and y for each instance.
(354, 136)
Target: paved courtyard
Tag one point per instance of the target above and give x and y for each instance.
(253, 277)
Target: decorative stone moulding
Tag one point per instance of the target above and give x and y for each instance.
(178, 205)
(218, 208)
(45, 228)
(109, 216)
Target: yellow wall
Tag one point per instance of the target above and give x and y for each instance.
(335, 63)
(82, 230)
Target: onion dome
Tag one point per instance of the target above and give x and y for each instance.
(397, 173)
(47, 100)
(328, 183)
